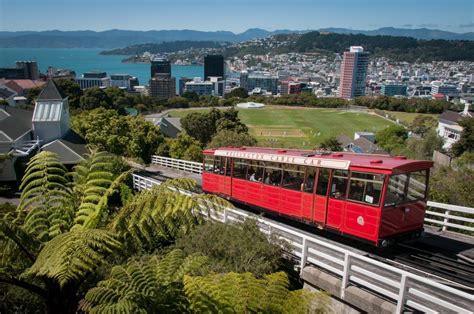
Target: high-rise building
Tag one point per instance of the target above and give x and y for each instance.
(353, 73)
(181, 84)
(265, 82)
(393, 89)
(24, 70)
(162, 86)
(93, 79)
(213, 66)
(124, 81)
(160, 66)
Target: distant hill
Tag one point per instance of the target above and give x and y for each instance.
(419, 33)
(168, 46)
(116, 38)
(396, 48)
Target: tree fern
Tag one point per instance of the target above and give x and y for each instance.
(45, 197)
(71, 255)
(243, 293)
(148, 285)
(156, 216)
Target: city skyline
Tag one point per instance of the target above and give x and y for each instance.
(210, 15)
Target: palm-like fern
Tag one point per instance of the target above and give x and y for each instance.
(243, 293)
(94, 183)
(156, 216)
(45, 197)
(70, 256)
(149, 285)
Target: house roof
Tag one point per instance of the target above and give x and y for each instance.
(451, 116)
(170, 126)
(14, 122)
(50, 92)
(5, 93)
(20, 86)
(71, 149)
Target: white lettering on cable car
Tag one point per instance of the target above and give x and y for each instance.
(305, 161)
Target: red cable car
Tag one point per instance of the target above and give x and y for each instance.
(376, 198)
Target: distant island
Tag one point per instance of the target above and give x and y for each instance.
(406, 49)
(116, 38)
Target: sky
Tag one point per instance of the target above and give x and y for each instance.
(235, 15)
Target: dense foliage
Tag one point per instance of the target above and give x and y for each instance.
(122, 135)
(396, 48)
(234, 248)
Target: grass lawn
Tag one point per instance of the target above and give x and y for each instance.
(409, 116)
(301, 127)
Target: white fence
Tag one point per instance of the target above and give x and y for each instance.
(402, 287)
(179, 164)
(450, 218)
(453, 217)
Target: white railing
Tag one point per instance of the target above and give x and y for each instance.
(402, 287)
(179, 164)
(452, 217)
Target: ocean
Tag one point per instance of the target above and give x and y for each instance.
(84, 59)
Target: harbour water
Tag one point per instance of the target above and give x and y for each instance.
(85, 59)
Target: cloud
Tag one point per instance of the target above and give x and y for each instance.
(428, 25)
(470, 25)
(407, 25)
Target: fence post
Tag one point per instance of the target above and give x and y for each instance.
(345, 274)
(304, 250)
(225, 215)
(401, 294)
(446, 219)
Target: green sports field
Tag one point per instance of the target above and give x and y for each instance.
(301, 127)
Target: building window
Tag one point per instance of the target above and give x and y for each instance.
(451, 134)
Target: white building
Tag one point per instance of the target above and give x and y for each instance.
(449, 128)
(124, 81)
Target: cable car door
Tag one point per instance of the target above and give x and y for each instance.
(321, 196)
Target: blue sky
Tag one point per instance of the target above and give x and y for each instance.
(236, 16)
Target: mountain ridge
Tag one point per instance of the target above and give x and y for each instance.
(116, 38)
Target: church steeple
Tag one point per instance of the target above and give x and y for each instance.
(51, 115)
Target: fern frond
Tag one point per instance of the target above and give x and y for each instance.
(70, 256)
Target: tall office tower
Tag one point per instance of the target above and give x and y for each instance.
(160, 66)
(353, 73)
(162, 86)
(213, 66)
(30, 69)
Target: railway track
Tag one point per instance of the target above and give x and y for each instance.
(432, 262)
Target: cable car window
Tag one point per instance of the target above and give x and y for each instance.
(309, 180)
(323, 181)
(417, 185)
(293, 177)
(396, 190)
(365, 187)
(228, 164)
(208, 163)
(255, 171)
(339, 184)
(240, 168)
(219, 164)
(273, 174)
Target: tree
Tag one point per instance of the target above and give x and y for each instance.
(422, 148)
(52, 242)
(331, 144)
(422, 124)
(234, 248)
(239, 92)
(190, 96)
(466, 141)
(225, 138)
(178, 102)
(144, 138)
(95, 97)
(392, 138)
(3, 103)
(243, 293)
(199, 126)
(70, 89)
(179, 147)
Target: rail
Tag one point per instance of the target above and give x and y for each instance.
(452, 217)
(403, 288)
(179, 164)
